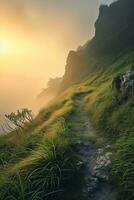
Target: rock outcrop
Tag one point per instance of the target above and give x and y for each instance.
(76, 68)
(125, 82)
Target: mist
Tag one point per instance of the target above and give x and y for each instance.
(35, 38)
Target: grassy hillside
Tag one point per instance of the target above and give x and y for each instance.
(113, 119)
(40, 162)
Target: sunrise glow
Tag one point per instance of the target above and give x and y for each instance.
(6, 46)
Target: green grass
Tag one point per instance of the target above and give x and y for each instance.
(40, 161)
(123, 167)
(44, 175)
(113, 118)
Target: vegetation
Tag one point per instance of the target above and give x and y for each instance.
(113, 117)
(123, 166)
(45, 169)
(40, 163)
(18, 120)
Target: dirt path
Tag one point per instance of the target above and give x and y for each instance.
(95, 163)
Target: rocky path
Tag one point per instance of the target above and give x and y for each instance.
(95, 162)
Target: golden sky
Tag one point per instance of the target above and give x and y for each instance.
(35, 37)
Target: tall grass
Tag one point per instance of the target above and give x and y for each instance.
(39, 164)
(123, 167)
(45, 177)
(47, 172)
(113, 117)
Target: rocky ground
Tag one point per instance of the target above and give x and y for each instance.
(95, 163)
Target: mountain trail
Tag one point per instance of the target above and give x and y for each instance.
(94, 162)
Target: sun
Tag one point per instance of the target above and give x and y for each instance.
(5, 46)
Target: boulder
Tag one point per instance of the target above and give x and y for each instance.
(124, 83)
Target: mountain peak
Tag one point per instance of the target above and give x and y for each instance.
(114, 28)
(114, 33)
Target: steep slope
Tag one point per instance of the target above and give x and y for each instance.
(107, 57)
(55, 157)
(114, 35)
(38, 162)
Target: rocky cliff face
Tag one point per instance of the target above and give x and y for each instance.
(114, 27)
(76, 68)
(114, 33)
